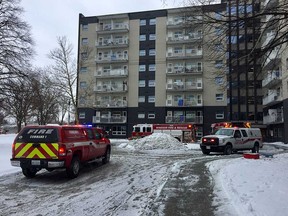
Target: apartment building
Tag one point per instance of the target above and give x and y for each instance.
(149, 67)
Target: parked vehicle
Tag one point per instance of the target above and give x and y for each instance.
(227, 140)
(54, 146)
(182, 132)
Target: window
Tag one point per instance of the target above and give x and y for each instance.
(142, 68)
(151, 99)
(119, 130)
(142, 52)
(141, 115)
(141, 99)
(84, 55)
(84, 41)
(218, 31)
(142, 22)
(83, 69)
(151, 83)
(218, 47)
(82, 115)
(152, 21)
(152, 37)
(85, 27)
(218, 63)
(142, 83)
(142, 38)
(219, 97)
(152, 52)
(220, 114)
(152, 67)
(244, 133)
(219, 80)
(83, 85)
(151, 115)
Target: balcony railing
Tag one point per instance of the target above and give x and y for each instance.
(111, 58)
(272, 78)
(184, 103)
(179, 71)
(273, 97)
(183, 38)
(110, 103)
(111, 42)
(109, 119)
(111, 88)
(112, 73)
(184, 119)
(183, 54)
(180, 86)
(113, 27)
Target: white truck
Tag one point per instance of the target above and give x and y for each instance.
(228, 140)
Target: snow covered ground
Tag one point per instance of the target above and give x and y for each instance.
(242, 186)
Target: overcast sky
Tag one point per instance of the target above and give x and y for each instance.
(52, 18)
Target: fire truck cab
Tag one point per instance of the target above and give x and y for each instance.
(182, 132)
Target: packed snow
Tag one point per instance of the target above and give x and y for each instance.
(242, 186)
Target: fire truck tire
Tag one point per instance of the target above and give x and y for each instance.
(205, 151)
(107, 155)
(74, 168)
(255, 149)
(29, 172)
(228, 149)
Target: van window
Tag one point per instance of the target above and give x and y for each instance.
(40, 135)
(237, 134)
(244, 133)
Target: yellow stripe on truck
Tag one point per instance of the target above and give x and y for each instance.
(23, 150)
(36, 152)
(48, 150)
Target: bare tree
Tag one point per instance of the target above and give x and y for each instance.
(65, 70)
(15, 42)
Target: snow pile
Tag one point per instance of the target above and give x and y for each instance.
(154, 141)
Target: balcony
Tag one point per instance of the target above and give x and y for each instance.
(273, 78)
(272, 98)
(184, 103)
(108, 43)
(184, 119)
(108, 28)
(112, 58)
(184, 54)
(104, 73)
(183, 71)
(186, 86)
(116, 103)
(274, 116)
(110, 88)
(109, 119)
(184, 38)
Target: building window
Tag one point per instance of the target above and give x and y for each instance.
(142, 52)
(219, 97)
(142, 37)
(152, 37)
(142, 22)
(219, 114)
(119, 130)
(141, 99)
(142, 83)
(151, 115)
(152, 21)
(84, 41)
(152, 67)
(142, 68)
(141, 115)
(84, 55)
(82, 115)
(84, 27)
(83, 85)
(218, 63)
(219, 80)
(152, 52)
(151, 83)
(151, 99)
(83, 69)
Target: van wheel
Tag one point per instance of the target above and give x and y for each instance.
(255, 149)
(74, 168)
(107, 155)
(29, 172)
(228, 150)
(206, 152)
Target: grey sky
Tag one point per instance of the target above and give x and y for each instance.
(52, 18)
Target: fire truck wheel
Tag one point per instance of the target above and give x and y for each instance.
(206, 152)
(228, 150)
(106, 158)
(74, 168)
(255, 148)
(29, 172)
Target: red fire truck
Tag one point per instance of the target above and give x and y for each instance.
(216, 126)
(182, 132)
